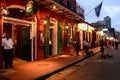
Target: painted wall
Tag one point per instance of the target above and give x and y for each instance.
(41, 15)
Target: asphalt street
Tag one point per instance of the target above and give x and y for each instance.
(93, 68)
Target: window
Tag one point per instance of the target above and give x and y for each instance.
(42, 38)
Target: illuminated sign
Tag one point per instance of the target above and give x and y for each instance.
(85, 27)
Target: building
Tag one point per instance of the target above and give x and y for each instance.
(103, 23)
(40, 28)
(105, 26)
(43, 28)
(107, 21)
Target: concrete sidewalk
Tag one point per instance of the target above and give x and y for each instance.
(38, 70)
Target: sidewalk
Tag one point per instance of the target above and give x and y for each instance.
(38, 70)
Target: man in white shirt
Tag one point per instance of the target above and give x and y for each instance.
(7, 44)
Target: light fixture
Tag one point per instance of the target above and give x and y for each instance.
(4, 11)
(42, 21)
(101, 33)
(67, 27)
(21, 11)
(54, 7)
(105, 29)
(45, 21)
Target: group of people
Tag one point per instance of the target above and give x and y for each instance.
(76, 46)
(86, 46)
(102, 46)
(7, 45)
(114, 44)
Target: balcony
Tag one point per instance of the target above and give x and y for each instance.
(65, 8)
(73, 6)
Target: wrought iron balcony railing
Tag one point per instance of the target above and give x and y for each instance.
(73, 6)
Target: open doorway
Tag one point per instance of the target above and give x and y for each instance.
(53, 37)
(22, 32)
(21, 36)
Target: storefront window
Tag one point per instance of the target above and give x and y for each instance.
(42, 38)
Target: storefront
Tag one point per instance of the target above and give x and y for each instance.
(87, 32)
(37, 34)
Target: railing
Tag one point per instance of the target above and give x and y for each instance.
(72, 5)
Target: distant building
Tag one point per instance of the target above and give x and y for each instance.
(107, 21)
(99, 24)
(105, 24)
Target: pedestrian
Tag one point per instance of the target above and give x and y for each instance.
(7, 44)
(116, 44)
(77, 47)
(112, 44)
(72, 46)
(102, 47)
(86, 46)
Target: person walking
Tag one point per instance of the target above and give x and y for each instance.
(116, 44)
(102, 47)
(86, 47)
(7, 44)
(77, 47)
(112, 44)
(72, 46)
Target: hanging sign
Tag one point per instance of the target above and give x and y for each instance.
(31, 7)
(85, 27)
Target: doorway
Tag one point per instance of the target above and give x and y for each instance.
(25, 43)
(21, 35)
(53, 37)
(51, 42)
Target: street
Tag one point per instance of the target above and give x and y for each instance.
(93, 68)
